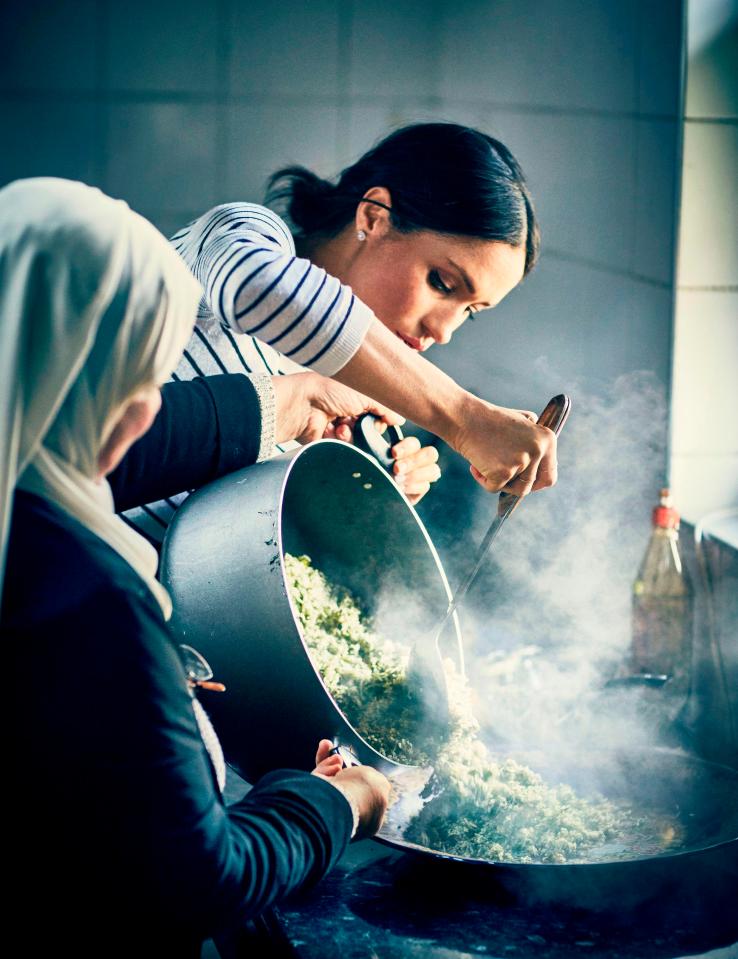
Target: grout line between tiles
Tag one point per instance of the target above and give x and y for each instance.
(730, 288)
(603, 268)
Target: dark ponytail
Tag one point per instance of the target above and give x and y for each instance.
(441, 176)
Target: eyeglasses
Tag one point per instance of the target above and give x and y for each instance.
(198, 669)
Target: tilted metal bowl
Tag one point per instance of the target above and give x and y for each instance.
(223, 563)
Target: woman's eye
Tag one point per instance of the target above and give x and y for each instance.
(471, 312)
(435, 280)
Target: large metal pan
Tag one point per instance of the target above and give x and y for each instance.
(689, 808)
(223, 565)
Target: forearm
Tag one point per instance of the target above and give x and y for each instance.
(503, 446)
(287, 833)
(206, 427)
(387, 370)
(295, 828)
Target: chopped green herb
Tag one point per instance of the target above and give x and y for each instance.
(486, 808)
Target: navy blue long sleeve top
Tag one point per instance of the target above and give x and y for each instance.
(122, 844)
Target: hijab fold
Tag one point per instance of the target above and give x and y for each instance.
(94, 305)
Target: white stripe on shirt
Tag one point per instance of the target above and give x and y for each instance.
(244, 256)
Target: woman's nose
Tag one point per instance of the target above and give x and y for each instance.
(441, 326)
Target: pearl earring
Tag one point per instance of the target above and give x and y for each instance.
(360, 236)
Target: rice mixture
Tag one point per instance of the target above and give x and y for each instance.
(486, 809)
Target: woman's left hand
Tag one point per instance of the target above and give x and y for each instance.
(325, 764)
(415, 467)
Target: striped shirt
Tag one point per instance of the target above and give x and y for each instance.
(254, 283)
(264, 312)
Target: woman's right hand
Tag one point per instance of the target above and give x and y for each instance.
(369, 790)
(506, 448)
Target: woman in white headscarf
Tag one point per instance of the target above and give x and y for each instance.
(93, 312)
(125, 846)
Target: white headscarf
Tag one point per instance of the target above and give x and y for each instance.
(94, 305)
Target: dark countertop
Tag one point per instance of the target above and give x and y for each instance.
(382, 904)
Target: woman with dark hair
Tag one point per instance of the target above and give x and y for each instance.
(430, 226)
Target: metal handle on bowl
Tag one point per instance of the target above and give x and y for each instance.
(347, 755)
(368, 439)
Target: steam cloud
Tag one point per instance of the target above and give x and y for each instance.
(548, 621)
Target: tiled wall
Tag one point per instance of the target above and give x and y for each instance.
(176, 105)
(705, 432)
(587, 95)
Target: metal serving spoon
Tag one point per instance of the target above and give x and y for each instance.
(554, 417)
(426, 663)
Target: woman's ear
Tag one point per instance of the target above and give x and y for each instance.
(373, 219)
(135, 419)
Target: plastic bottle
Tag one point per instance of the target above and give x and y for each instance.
(663, 608)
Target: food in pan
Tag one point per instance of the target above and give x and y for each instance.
(485, 808)
(363, 671)
(504, 811)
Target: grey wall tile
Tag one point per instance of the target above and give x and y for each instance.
(649, 330)
(467, 112)
(168, 45)
(708, 245)
(658, 160)
(486, 52)
(290, 48)
(162, 156)
(49, 46)
(560, 53)
(264, 137)
(368, 123)
(170, 222)
(46, 138)
(365, 124)
(660, 39)
(581, 171)
(394, 48)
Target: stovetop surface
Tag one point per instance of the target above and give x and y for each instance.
(382, 904)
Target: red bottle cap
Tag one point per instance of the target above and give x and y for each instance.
(664, 515)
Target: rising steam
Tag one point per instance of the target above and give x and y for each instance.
(549, 620)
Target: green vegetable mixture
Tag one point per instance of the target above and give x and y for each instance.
(488, 809)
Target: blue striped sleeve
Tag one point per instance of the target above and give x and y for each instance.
(254, 283)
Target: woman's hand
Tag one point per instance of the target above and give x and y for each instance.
(311, 406)
(366, 789)
(369, 791)
(415, 467)
(325, 764)
(506, 448)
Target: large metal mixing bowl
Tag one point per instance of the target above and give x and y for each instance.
(223, 565)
